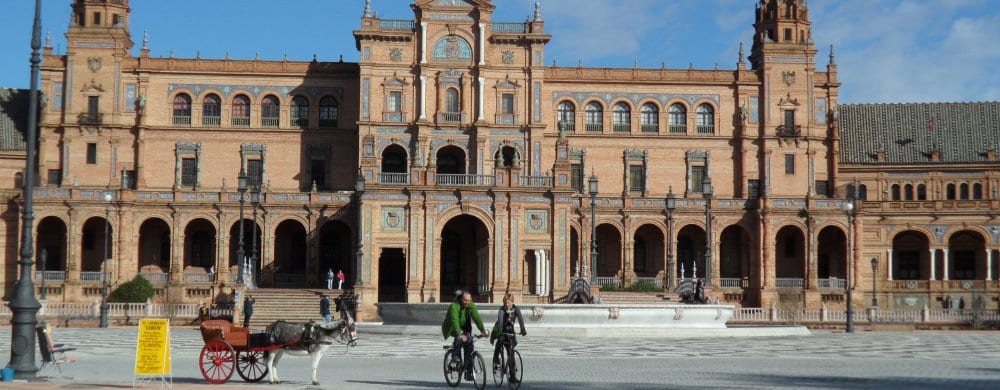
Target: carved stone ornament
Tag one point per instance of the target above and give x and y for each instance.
(507, 57)
(396, 54)
(614, 313)
(94, 64)
(537, 312)
(788, 77)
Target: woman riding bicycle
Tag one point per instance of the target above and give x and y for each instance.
(503, 329)
(458, 324)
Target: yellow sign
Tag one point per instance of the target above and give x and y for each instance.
(152, 353)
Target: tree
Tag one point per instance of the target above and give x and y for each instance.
(137, 290)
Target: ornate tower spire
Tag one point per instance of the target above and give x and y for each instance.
(538, 12)
(145, 39)
(739, 55)
(48, 39)
(368, 9)
(833, 60)
(781, 25)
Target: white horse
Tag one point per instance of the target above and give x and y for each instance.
(320, 336)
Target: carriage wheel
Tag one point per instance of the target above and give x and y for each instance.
(251, 365)
(217, 361)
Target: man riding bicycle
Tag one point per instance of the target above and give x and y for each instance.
(458, 324)
(503, 329)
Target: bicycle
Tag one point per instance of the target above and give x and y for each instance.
(502, 359)
(453, 371)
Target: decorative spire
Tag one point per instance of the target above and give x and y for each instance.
(48, 39)
(145, 39)
(740, 59)
(197, 54)
(257, 56)
(368, 9)
(538, 11)
(833, 61)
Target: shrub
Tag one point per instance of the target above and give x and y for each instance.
(610, 287)
(137, 290)
(643, 286)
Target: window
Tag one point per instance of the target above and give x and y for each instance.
(595, 117)
(97, 18)
(650, 118)
(128, 179)
(567, 116)
(189, 172)
(636, 178)
(822, 188)
(895, 192)
(182, 109)
(93, 116)
(706, 119)
(697, 179)
(950, 191)
(789, 164)
(862, 192)
(908, 192)
(117, 19)
(909, 265)
(754, 109)
(963, 191)
(820, 110)
(622, 118)
(318, 170)
(270, 112)
(788, 35)
(91, 153)
(977, 191)
(395, 103)
(921, 192)
(451, 103)
(507, 104)
(211, 110)
(241, 111)
(789, 121)
(576, 177)
(300, 112)
(255, 171)
(753, 189)
(54, 177)
(329, 111)
(678, 118)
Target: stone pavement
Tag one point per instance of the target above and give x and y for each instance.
(931, 360)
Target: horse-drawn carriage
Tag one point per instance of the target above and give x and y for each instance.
(252, 355)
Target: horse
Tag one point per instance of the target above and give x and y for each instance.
(308, 339)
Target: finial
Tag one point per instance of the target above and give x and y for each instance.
(741, 53)
(197, 54)
(227, 55)
(635, 64)
(286, 57)
(368, 9)
(579, 63)
(256, 56)
(48, 39)
(145, 39)
(341, 58)
(538, 11)
(832, 60)
(663, 65)
(716, 66)
(171, 54)
(690, 65)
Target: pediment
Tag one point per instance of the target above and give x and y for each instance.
(455, 4)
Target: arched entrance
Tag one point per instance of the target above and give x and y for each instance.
(790, 258)
(52, 237)
(394, 159)
(574, 252)
(154, 245)
(336, 251)
(290, 254)
(647, 251)
(392, 275)
(609, 252)
(966, 256)
(691, 252)
(234, 242)
(199, 244)
(831, 260)
(910, 256)
(465, 255)
(735, 255)
(451, 160)
(94, 244)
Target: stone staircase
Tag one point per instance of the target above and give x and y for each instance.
(638, 298)
(293, 305)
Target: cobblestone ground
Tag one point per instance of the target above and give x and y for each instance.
(914, 360)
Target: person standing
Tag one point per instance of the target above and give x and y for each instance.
(340, 279)
(329, 278)
(247, 310)
(324, 309)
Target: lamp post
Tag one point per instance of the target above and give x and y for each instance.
(254, 202)
(706, 188)
(671, 206)
(359, 255)
(592, 187)
(24, 306)
(874, 291)
(241, 186)
(849, 210)
(104, 261)
(41, 266)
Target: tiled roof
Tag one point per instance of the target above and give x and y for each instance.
(13, 118)
(962, 132)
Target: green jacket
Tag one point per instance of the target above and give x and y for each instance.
(456, 318)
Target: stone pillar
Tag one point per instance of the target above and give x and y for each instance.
(989, 264)
(888, 262)
(944, 272)
(933, 253)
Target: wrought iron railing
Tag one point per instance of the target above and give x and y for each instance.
(622, 127)
(706, 129)
(650, 128)
(594, 127)
(731, 283)
(678, 129)
(831, 283)
(329, 123)
(270, 122)
(299, 123)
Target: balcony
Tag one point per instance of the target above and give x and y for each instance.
(270, 122)
(710, 129)
(450, 117)
(397, 24)
(650, 128)
(506, 119)
(182, 120)
(594, 127)
(91, 119)
(678, 129)
(241, 122)
(332, 123)
(536, 181)
(622, 128)
(211, 121)
(736, 283)
(789, 131)
(789, 283)
(466, 180)
(299, 123)
(389, 117)
(510, 28)
(50, 275)
(393, 178)
(832, 283)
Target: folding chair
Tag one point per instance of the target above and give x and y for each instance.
(52, 354)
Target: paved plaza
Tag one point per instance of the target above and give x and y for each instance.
(911, 360)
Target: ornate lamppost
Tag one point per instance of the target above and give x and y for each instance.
(706, 188)
(24, 306)
(849, 210)
(359, 255)
(254, 202)
(671, 206)
(874, 291)
(241, 186)
(104, 261)
(592, 187)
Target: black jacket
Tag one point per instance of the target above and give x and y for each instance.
(324, 307)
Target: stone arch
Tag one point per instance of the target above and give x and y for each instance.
(831, 253)
(51, 235)
(451, 159)
(93, 242)
(394, 158)
(465, 250)
(200, 244)
(790, 253)
(648, 250)
(911, 255)
(290, 247)
(735, 252)
(337, 246)
(154, 244)
(966, 255)
(690, 251)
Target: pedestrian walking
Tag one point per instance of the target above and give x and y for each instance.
(247, 310)
(340, 279)
(329, 278)
(324, 309)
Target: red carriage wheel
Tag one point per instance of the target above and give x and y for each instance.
(217, 361)
(251, 365)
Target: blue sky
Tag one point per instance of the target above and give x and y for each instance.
(886, 50)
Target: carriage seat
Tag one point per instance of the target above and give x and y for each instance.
(224, 330)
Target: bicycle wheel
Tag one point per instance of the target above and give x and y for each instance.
(478, 371)
(499, 367)
(452, 372)
(518, 369)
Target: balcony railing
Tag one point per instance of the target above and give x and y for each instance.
(241, 122)
(156, 277)
(390, 117)
(607, 281)
(658, 282)
(197, 278)
(706, 129)
(182, 120)
(678, 129)
(536, 181)
(91, 119)
(270, 122)
(90, 276)
(212, 121)
(465, 180)
(506, 119)
(789, 131)
(731, 283)
(50, 275)
(396, 24)
(567, 126)
(332, 123)
(299, 123)
(623, 128)
(450, 117)
(516, 28)
(650, 128)
(832, 283)
(789, 283)
(594, 127)
(393, 178)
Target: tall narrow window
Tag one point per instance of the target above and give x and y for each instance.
(895, 192)
(908, 192)
(576, 176)
(790, 121)
(862, 192)
(706, 119)
(329, 110)
(270, 112)
(211, 111)
(189, 172)
(650, 118)
(182, 109)
(753, 188)
(963, 191)
(97, 19)
(395, 103)
(93, 110)
(697, 179)
(622, 118)
(507, 104)
(255, 171)
(318, 170)
(91, 153)
(822, 188)
(921, 192)
(567, 116)
(241, 111)
(54, 177)
(678, 118)
(789, 164)
(636, 178)
(300, 112)
(950, 191)
(595, 117)
(451, 103)
(977, 191)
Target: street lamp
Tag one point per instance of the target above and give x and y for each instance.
(254, 202)
(874, 291)
(241, 186)
(706, 191)
(359, 255)
(592, 187)
(671, 206)
(24, 306)
(849, 210)
(104, 261)
(41, 265)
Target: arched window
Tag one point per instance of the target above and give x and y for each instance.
(908, 192)
(270, 112)
(211, 110)
(963, 191)
(241, 111)
(182, 109)
(300, 112)
(895, 192)
(650, 118)
(595, 117)
(567, 116)
(328, 112)
(451, 103)
(977, 191)
(862, 192)
(678, 118)
(950, 191)
(622, 118)
(921, 192)
(706, 119)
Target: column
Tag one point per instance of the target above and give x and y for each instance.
(888, 261)
(423, 42)
(989, 264)
(482, 96)
(423, 97)
(482, 43)
(944, 272)
(933, 253)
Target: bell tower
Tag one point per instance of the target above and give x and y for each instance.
(100, 21)
(781, 26)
